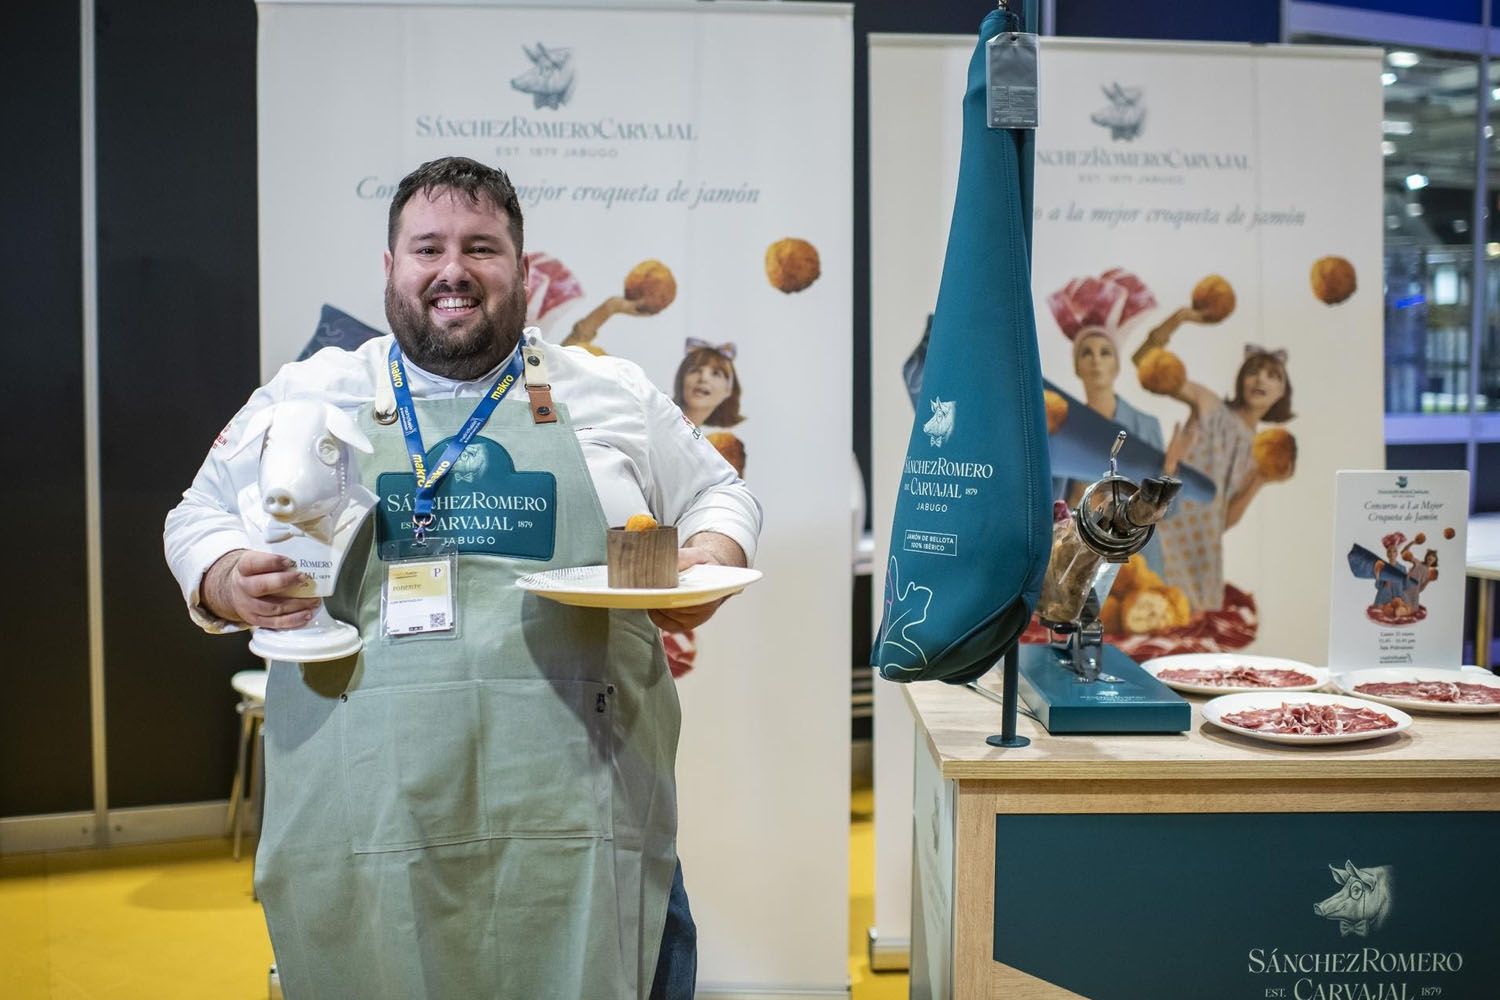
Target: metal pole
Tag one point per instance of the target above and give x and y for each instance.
(1480, 285)
(1010, 701)
(91, 472)
(1010, 693)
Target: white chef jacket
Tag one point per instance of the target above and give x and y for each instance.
(641, 452)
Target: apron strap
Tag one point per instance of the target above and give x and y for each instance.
(538, 385)
(538, 388)
(385, 396)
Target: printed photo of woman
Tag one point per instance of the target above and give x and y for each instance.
(705, 387)
(1218, 439)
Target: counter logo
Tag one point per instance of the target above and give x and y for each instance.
(940, 427)
(551, 77)
(1125, 116)
(1363, 901)
(1400, 482)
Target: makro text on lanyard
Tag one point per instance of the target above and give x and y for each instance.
(427, 482)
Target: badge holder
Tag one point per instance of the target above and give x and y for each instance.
(418, 590)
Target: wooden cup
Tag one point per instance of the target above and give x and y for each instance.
(643, 559)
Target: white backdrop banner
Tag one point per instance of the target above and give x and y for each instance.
(1222, 224)
(673, 189)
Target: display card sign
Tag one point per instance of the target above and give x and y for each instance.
(1397, 597)
(1302, 906)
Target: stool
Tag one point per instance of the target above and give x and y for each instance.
(250, 685)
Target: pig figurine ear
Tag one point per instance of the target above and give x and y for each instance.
(343, 427)
(258, 425)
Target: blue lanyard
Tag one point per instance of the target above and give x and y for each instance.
(427, 482)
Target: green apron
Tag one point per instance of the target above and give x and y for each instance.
(488, 816)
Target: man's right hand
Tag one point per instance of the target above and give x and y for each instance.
(243, 586)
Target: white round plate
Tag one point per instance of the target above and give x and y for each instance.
(1350, 680)
(1227, 661)
(1214, 711)
(588, 587)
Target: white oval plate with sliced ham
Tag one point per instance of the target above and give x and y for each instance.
(1425, 689)
(1352, 718)
(1226, 673)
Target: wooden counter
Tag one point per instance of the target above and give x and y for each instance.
(965, 790)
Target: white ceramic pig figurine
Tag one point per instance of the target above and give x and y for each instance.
(305, 504)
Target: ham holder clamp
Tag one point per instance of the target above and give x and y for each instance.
(1076, 683)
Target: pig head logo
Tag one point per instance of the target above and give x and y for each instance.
(940, 427)
(470, 463)
(1363, 901)
(551, 77)
(1125, 115)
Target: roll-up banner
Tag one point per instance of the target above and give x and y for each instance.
(656, 161)
(1207, 276)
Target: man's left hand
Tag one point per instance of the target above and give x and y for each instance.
(703, 548)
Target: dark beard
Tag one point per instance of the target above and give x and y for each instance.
(459, 356)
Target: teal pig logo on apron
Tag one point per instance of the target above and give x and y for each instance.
(484, 505)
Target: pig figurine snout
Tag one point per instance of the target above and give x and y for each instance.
(304, 459)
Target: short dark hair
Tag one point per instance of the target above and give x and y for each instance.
(462, 175)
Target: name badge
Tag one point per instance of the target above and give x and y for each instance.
(417, 598)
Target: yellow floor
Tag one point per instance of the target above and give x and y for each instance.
(177, 921)
(866, 985)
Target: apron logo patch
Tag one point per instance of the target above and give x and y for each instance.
(483, 505)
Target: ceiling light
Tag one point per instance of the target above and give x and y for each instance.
(1388, 148)
(1387, 78)
(1416, 182)
(1402, 59)
(1492, 249)
(1395, 126)
(1460, 226)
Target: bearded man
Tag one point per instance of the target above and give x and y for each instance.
(487, 809)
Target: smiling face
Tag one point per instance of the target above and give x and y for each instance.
(1096, 361)
(455, 293)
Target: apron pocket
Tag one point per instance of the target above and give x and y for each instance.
(413, 766)
(547, 756)
(473, 760)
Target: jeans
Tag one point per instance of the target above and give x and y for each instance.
(677, 964)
